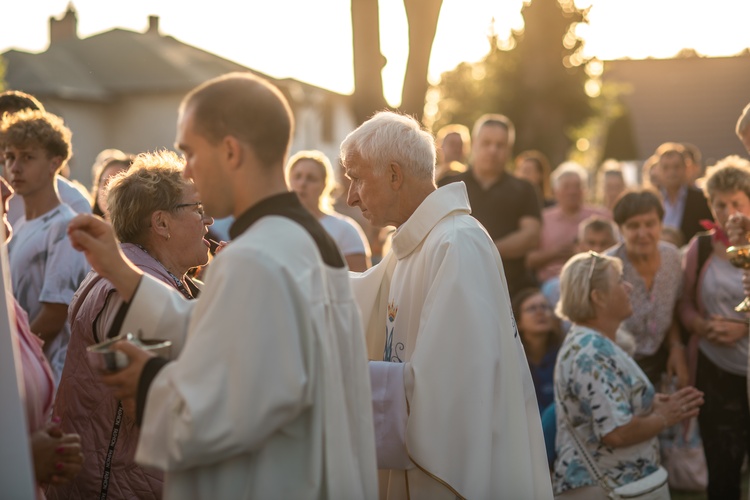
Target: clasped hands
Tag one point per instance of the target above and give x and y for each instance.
(56, 455)
(678, 406)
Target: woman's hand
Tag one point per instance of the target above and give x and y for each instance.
(725, 332)
(677, 365)
(737, 228)
(681, 405)
(56, 459)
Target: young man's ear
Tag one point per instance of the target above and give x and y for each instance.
(232, 151)
(55, 164)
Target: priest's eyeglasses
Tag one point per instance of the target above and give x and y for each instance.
(199, 207)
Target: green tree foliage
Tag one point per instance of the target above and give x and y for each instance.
(536, 78)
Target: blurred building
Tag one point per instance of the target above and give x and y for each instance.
(685, 99)
(121, 89)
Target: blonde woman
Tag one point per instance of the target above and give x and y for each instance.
(310, 175)
(607, 410)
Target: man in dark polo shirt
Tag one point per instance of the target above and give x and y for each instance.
(505, 205)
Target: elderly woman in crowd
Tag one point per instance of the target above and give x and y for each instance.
(607, 409)
(56, 457)
(652, 266)
(713, 287)
(114, 162)
(560, 222)
(310, 175)
(160, 222)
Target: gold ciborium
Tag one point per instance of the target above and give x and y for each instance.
(739, 256)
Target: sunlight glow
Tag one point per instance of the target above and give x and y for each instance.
(311, 41)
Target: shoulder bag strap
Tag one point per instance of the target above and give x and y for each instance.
(588, 460)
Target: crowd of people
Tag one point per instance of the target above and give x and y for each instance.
(525, 332)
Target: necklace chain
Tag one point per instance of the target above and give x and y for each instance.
(177, 281)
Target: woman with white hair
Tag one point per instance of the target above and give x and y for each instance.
(719, 341)
(608, 414)
(560, 222)
(310, 175)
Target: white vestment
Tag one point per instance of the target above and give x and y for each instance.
(269, 396)
(439, 304)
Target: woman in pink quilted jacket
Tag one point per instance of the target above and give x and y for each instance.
(161, 225)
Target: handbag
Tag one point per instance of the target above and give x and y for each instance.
(682, 453)
(655, 486)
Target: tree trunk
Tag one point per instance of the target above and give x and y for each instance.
(368, 60)
(422, 16)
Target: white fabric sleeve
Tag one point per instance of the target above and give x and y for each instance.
(159, 312)
(389, 414)
(72, 196)
(245, 362)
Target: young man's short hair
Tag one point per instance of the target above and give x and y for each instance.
(36, 129)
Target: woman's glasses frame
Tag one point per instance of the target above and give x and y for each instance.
(197, 204)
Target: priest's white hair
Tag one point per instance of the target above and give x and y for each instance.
(390, 137)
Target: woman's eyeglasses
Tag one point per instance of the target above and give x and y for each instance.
(199, 207)
(533, 308)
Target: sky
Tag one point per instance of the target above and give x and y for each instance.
(310, 40)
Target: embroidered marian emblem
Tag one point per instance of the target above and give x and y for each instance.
(388, 354)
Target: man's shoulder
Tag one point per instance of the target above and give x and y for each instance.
(695, 195)
(456, 229)
(463, 176)
(510, 180)
(56, 219)
(74, 196)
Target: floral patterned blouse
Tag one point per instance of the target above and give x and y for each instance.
(600, 388)
(653, 310)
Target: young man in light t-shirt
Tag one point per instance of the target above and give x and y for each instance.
(72, 194)
(45, 269)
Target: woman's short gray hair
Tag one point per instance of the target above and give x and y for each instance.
(154, 182)
(729, 174)
(391, 137)
(577, 280)
(569, 168)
